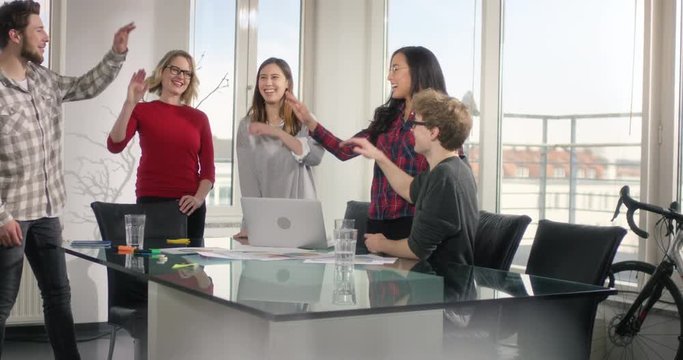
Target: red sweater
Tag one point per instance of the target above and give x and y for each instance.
(177, 149)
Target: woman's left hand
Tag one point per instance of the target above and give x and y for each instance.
(188, 204)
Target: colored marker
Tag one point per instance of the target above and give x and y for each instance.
(87, 243)
(181, 241)
(125, 249)
(182, 266)
(147, 252)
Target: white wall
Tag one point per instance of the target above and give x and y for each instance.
(343, 57)
(89, 27)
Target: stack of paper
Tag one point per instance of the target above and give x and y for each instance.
(358, 259)
(260, 255)
(246, 252)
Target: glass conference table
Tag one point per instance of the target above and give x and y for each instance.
(205, 308)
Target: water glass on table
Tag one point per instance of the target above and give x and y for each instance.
(345, 223)
(135, 230)
(344, 246)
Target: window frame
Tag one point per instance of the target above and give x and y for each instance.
(246, 38)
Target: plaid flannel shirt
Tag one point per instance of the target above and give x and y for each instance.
(398, 143)
(31, 126)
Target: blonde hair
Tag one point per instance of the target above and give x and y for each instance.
(154, 80)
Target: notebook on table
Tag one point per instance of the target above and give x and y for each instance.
(289, 223)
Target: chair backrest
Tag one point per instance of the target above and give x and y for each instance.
(358, 210)
(498, 238)
(580, 253)
(162, 220)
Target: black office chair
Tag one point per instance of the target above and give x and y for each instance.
(127, 295)
(497, 239)
(579, 253)
(358, 210)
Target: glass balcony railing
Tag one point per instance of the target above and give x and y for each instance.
(567, 168)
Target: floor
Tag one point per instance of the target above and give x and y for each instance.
(92, 344)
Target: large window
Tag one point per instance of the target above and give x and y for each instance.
(274, 27)
(453, 34)
(46, 16)
(214, 51)
(571, 105)
(279, 33)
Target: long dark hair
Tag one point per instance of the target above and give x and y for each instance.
(425, 73)
(258, 104)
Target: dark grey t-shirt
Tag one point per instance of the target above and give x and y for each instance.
(446, 213)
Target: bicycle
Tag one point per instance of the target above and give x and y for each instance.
(645, 323)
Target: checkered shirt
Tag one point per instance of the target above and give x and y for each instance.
(398, 144)
(31, 126)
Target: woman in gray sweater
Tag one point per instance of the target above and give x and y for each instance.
(275, 155)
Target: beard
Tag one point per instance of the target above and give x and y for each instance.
(32, 56)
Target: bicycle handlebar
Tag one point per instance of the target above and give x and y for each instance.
(633, 205)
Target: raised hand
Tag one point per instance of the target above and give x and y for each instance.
(120, 45)
(301, 111)
(137, 87)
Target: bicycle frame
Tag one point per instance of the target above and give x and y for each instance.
(652, 290)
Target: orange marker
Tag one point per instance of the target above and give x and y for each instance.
(125, 249)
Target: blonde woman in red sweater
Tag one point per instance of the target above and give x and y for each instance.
(177, 159)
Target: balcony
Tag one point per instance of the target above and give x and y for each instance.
(556, 169)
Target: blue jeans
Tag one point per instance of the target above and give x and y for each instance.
(42, 238)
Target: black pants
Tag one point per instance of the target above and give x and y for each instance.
(195, 222)
(41, 246)
(392, 229)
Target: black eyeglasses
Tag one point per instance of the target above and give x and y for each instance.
(414, 123)
(177, 71)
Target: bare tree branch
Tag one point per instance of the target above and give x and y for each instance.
(223, 83)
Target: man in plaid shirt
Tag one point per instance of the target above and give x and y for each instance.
(32, 191)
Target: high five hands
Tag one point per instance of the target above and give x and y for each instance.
(120, 45)
(137, 87)
(301, 111)
(364, 147)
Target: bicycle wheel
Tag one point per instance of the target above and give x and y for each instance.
(658, 337)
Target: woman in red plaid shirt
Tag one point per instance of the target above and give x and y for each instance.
(412, 68)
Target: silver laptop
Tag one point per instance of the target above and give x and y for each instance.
(290, 223)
